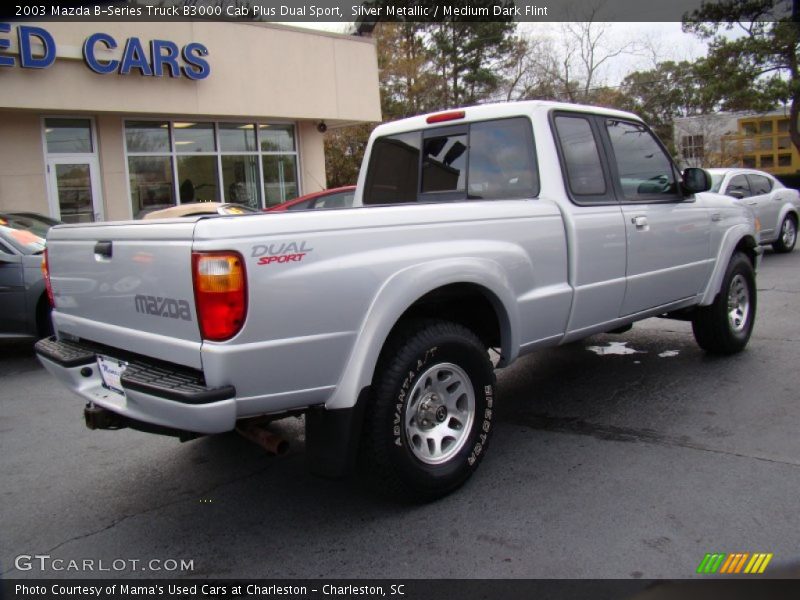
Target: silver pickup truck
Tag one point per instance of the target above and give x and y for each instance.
(510, 227)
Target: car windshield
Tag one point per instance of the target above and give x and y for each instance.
(716, 181)
(22, 239)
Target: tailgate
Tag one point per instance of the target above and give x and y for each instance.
(127, 285)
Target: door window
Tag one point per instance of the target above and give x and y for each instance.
(739, 185)
(581, 158)
(759, 184)
(644, 171)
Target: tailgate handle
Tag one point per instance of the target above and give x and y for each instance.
(103, 249)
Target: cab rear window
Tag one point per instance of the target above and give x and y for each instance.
(486, 160)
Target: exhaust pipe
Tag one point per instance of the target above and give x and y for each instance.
(259, 434)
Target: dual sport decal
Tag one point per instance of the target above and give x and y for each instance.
(280, 252)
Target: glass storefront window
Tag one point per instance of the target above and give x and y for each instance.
(194, 137)
(186, 161)
(237, 137)
(276, 138)
(240, 182)
(147, 136)
(68, 136)
(280, 178)
(197, 176)
(151, 183)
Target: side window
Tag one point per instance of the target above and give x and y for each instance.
(444, 163)
(644, 170)
(305, 205)
(502, 164)
(393, 170)
(739, 185)
(759, 184)
(584, 170)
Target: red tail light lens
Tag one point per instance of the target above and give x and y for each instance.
(452, 115)
(46, 275)
(220, 292)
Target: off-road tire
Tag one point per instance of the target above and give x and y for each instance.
(421, 362)
(720, 328)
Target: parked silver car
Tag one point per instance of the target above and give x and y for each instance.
(24, 305)
(776, 206)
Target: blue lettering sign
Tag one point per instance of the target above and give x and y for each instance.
(165, 58)
(197, 67)
(135, 58)
(5, 61)
(96, 65)
(26, 57)
(170, 59)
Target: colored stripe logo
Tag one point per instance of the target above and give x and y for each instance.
(732, 564)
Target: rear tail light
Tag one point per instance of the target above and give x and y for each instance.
(220, 292)
(46, 275)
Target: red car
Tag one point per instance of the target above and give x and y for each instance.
(341, 197)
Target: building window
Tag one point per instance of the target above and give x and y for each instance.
(68, 136)
(749, 128)
(766, 127)
(767, 161)
(693, 147)
(784, 143)
(784, 160)
(783, 125)
(765, 143)
(749, 162)
(173, 162)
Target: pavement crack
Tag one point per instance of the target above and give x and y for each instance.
(626, 434)
(123, 518)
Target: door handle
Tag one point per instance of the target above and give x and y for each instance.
(752, 203)
(716, 217)
(640, 221)
(103, 250)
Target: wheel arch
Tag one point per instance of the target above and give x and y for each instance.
(737, 239)
(460, 291)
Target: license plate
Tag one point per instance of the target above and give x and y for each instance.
(111, 371)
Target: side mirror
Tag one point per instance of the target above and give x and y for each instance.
(696, 180)
(738, 194)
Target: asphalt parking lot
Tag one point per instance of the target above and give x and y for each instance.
(632, 463)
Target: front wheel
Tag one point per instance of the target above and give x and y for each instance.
(430, 420)
(725, 326)
(788, 235)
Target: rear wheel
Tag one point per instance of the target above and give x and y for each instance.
(429, 423)
(725, 326)
(788, 235)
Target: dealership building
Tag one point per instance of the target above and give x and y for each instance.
(105, 121)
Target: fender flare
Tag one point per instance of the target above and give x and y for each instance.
(730, 241)
(400, 292)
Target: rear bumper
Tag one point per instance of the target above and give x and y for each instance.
(158, 393)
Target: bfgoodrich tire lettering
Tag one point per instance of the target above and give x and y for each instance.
(430, 420)
(725, 326)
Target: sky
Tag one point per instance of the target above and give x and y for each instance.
(665, 39)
